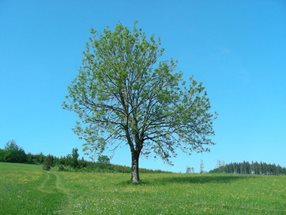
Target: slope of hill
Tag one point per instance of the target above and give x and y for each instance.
(27, 189)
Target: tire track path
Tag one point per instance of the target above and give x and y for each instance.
(43, 186)
(52, 183)
(67, 206)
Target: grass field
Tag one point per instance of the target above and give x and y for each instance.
(27, 189)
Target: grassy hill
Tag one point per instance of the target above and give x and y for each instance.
(27, 189)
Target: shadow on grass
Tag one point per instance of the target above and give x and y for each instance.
(194, 179)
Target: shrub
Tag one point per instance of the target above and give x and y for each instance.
(48, 162)
(61, 168)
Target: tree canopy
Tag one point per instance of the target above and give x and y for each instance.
(124, 93)
(13, 153)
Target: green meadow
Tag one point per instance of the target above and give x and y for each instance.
(27, 189)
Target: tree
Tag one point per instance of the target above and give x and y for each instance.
(74, 160)
(14, 153)
(124, 94)
(2, 155)
(48, 162)
(12, 146)
(103, 159)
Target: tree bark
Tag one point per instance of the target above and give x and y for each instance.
(135, 167)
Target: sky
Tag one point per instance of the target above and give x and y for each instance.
(236, 48)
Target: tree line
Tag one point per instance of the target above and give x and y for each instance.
(15, 154)
(257, 168)
(71, 162)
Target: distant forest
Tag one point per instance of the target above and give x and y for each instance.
(250, 168)
(15, 154)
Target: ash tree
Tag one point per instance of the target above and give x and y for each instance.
(124, 94)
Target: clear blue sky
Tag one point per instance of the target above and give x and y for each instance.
(237, 48)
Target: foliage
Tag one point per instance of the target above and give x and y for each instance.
(125, 94)
(13, 153)
(2, 155)
(70, 162)
(35, 158)
(113, 168)
(36, 192)
(103, 159)
(61, 167)
(12, 146)
(66, 163)
(251, 168)
(74, 155)
(48, 163)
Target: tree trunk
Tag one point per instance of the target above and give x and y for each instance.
(135, 167)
